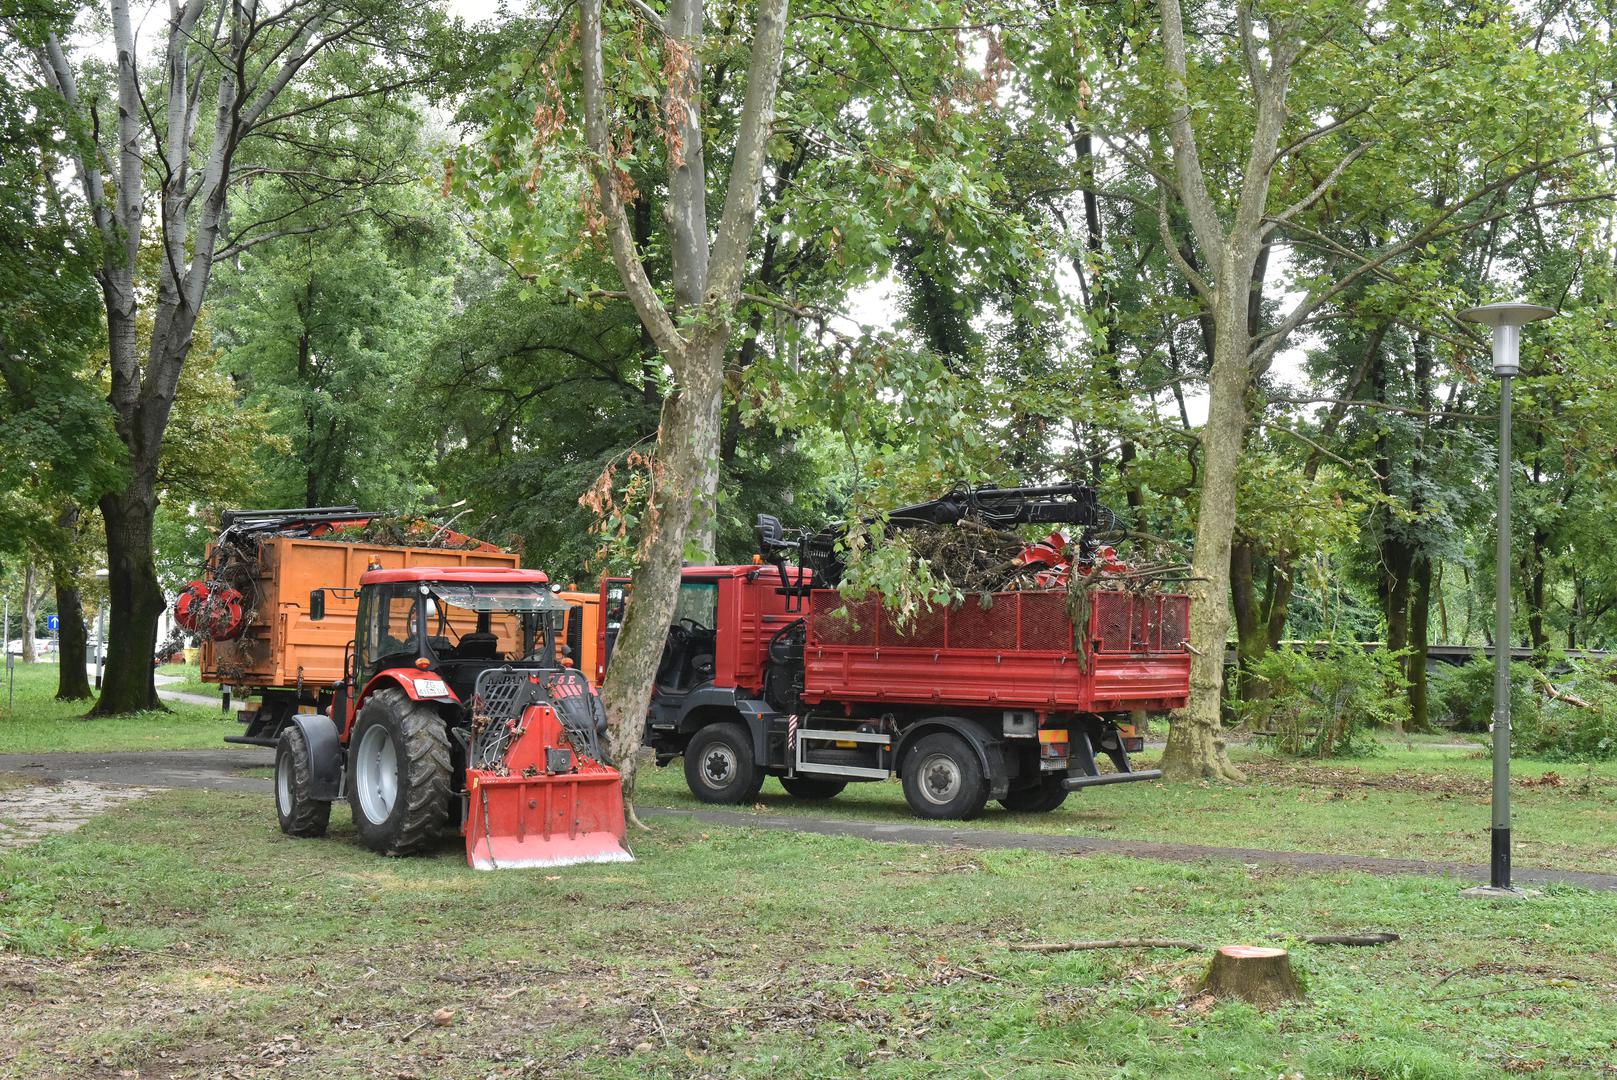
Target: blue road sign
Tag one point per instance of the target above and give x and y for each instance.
(53, 622)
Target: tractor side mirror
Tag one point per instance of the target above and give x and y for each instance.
(317, 605)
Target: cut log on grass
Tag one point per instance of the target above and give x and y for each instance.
(1252, 973)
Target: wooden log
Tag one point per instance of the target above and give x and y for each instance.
(1252, 973)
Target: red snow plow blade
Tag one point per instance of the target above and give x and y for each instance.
(534, 798)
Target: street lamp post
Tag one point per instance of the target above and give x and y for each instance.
(1507, 320)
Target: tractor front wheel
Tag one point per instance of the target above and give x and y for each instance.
(943, 778)
(1040, 797)
(803, 787)
(398, 773)
(719, 765)
(301, 814)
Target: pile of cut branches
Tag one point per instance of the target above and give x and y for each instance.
(399, 531)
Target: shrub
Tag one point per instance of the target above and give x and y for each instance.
(1566, 713)
(1326, 705)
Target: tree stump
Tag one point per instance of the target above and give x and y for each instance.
(1252, 973)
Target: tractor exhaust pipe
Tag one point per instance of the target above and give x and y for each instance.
(1073, 783)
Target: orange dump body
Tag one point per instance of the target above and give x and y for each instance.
(281, 646)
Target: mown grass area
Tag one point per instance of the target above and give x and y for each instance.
(185, 937)
(1426, 803)
(38, 723)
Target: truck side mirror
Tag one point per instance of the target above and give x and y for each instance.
(317, 605)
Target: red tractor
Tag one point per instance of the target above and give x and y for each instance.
(457, 709)
(769, 671)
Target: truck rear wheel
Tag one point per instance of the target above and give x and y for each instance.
(803, 787)
(398, 773)
(943, 778)
(719, 766)
(1040, 797)
(300, 813)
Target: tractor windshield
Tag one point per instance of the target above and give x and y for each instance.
(492, 597)
(478, 622)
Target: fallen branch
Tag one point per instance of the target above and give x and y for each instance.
(1341, 939)
(1558, 695)
(1381, 938)
(1118, 943)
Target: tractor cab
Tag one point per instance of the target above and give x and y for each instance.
(451, 624)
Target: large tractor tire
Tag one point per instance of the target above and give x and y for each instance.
(300, 813)
(803, 787)
(943, 778)
(719, 765)
(1040, 797)
(398, 773)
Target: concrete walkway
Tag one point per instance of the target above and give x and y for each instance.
(224, 770)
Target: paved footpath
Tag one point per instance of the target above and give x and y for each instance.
(139, 773)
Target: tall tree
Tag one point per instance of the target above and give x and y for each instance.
(694, 334)
(1305, 101)
(226, 81)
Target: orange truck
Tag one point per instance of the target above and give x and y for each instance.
(251, 607)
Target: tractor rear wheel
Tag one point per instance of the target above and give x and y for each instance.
(1040, 797)
(803, 787)
(398, 773)
(301, 814)
(943, 778)
(719, 765)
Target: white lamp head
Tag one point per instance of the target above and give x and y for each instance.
(1507, 320)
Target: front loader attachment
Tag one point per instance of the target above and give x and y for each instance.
(538, 790)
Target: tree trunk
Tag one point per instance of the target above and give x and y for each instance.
(135, 602)
(72, 677)
(1251, 628)
(1196, 747)
(1420, 605)
(30, 613)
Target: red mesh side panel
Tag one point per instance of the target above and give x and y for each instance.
(1045, 621)
(925, 631)
(1175, 622)
(834, 622)
(973, 627)
(1112, 611)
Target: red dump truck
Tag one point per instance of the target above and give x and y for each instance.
(770, 672)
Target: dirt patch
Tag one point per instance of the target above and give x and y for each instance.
(1313, 775)
(30, 812)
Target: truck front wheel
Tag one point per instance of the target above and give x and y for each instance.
(300, 813)
(719, 766)
(398, 773)
(943, 778)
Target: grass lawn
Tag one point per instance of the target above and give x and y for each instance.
(183, 936)
(38, 723)
(190, 680)
(1425, 803)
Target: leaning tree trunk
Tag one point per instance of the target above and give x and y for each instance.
(72, 677)
(1195, 736)
(687, 441)
(134, 602)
